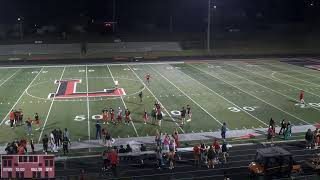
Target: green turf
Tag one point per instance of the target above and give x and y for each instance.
(244, 94)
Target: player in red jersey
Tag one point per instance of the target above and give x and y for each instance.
(112, 115)
(119, 115)
(148, 78)
(145, 116)
(11, 117)
(128, 117)
(301, 97)
(105, 116)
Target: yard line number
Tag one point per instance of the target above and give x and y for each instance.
(246, 108)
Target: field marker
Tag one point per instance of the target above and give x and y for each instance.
(188, 97)
(262, 85)
(257, 97)
(125, 106)
(156, 99)
(9, 77)
(223, 96)
(45, 122)
(20, 97)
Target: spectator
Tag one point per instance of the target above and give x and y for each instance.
(176, 138)
(196, 153)
(158, 138)
(108, 139)
(45, 142)
(309, 139)
(128, 149)
(287, 131)
(166, 142)
(270, 135)
(52, 142)
(66, 133)
(29, 127)
(159, 157)
(114, 160)
(98, 130)
(56, 138)
(283, 127)
(32, 146)
(122, 149)
(66, 143)
(272, 124)
(171, 155)
(316, 138)
(106, 161)
(143, 148)
(224, 150)
(211, 156)
(224, 130)
(203, 152)
(60, 137)
(216, 146)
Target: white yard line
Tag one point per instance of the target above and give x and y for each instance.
(9, 77)
(156, 98)
(124, 104)
(225, 98)
(187, 96)
(21, 96)
(274, 79)
(88, 104)
(262, 86)
(256, 97)
(48, 114)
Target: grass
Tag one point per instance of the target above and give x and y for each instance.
(243, 94)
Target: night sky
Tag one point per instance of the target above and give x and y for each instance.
(156, 11)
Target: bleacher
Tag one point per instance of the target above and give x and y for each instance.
(131, 166)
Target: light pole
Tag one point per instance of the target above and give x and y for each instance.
(20, 28)
(209, 24)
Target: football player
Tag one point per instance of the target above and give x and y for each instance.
(128, 117)
(105, 116)
(119, 115)
(20, 116)
(112, 115)
(301, 97)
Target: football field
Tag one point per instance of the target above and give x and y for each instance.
(244, 94)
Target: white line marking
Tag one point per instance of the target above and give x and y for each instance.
(45, 122)
(223, 96)
(156, 99)
(9, 77)
(88, 104)
(259, 98)
(124, 103)
(187, 96)
(20, 97)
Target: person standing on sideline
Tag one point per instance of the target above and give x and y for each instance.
(224, 150)
(45, 142)
(29, 127)
(66, 143)
(272, 124)
(283, 127)
(32, 146)
(11, 117)
(224, 130)
(98, 130)
(309, 139)
(60, 137)
(301, 97)
(83, 48)
(108, 139)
